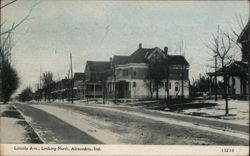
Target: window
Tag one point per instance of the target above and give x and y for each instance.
(169, 85)
(134, 73)
(125, 72)
(134, 84)
(176, 86)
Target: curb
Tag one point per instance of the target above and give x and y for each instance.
(25, 119)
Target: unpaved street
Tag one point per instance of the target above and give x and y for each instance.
(60, 123)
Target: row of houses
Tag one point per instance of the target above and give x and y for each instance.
(125, 77)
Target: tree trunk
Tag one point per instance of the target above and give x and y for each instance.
(226, 93)
(182, 84)
(225, 79)
(150, 89)
(157, 91)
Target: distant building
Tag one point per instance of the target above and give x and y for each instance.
(61, 89)
(79, 79)
(129, 74)
(96, 73)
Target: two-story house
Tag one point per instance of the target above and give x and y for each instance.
(96, 73)
(129, 78)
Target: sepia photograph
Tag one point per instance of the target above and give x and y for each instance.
(81, 77)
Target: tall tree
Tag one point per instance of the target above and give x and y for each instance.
(26, 94)
(10, 80)
(47, 80)
(221, 46)
(155, 73)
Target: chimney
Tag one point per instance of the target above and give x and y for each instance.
(166, 51)
(140, 45)
(111, 61)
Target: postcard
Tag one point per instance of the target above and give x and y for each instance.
(123, 78)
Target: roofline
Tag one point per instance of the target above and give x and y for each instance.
(243, 31)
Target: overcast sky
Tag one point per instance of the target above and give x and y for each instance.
(97, 30)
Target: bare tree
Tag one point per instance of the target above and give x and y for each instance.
(6, 4)
(47, 80)
(220, 46)
(235, 34)
(180, 49)
(15, 25)
(154, 73)
(9, 80)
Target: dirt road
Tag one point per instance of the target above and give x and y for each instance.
(93, 124)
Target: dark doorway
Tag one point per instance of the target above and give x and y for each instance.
(123, 89)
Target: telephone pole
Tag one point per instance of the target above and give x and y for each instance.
(216, 85)
(72, 81)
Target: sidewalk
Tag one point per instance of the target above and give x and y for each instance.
(14, 129)
(238, 111)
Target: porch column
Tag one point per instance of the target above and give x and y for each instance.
(94, 90)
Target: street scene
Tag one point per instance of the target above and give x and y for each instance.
(125, 73)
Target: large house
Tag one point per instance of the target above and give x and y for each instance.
(244, 39)
(129, 78)
(239, 71)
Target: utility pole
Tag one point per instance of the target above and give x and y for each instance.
(182, 83)
(72, 81)
(40, 87)
(216, 86)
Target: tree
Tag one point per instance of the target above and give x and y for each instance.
(180, 48)
(220, 47)
(155, 73)
(10, 81)
(8, 76)
(202, 85)
(47, 81)
(26, 94)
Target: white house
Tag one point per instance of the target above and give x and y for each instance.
(129, 78)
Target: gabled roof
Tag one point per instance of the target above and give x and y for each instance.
(79, 76)
(141, 55)
(177, 60)
(98, 66)
(236, 68)
(244, 32)
(118, 59)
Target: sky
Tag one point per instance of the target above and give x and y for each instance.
(97, 30)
